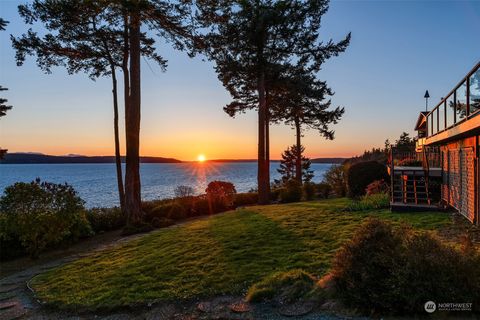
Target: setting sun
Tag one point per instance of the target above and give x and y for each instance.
(201, 158)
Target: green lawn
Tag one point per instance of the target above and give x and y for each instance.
(221, 254)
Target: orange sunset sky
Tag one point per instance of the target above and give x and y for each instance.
(380, 80)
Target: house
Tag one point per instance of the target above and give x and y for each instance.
(442, 170)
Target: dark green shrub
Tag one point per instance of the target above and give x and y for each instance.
(159, 222)
(148, 206)
(42, 214)
(245, 199)
(436, 272)
(200, 206)
(335, 177)
(10, 245)
(361, 174)
(291, 192)
(395, 271)
(171, 210)
(309, 189)
(105, 219)
(363, 268)
(275, 193)
(323, 190)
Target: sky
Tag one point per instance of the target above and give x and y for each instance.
(398, 50)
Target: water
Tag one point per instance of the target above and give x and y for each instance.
(97, 183)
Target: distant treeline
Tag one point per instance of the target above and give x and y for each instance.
(23, 158)
(328, 160)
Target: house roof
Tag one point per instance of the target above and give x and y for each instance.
(421, 121)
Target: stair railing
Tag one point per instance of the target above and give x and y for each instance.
(426, 172)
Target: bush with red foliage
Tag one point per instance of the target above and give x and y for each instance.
(220, 195)
(376, 187)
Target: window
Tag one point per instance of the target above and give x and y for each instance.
(441, 117)
(462, 101)
(450, 111)
(475, 92)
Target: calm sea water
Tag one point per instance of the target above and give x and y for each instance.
(97, 184)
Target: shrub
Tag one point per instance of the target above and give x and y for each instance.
(291, 192)
(370, 202)
(200, 206)
(377, 186)
(386, 270)
(284, 287)
(323, 190)
(105, 219)
(42, 214)
(243, 199)
(159, 222)
(436, 272)
(171, 210)
(335, 178)
(184, 191)
(309, 190)
(10, 246)
(220, 195)
(363, 267)
(361, 174)
(275, 193)
(148, 206)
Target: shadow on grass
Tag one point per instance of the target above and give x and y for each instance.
(254, 246)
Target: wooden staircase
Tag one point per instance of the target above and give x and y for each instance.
(410, 187)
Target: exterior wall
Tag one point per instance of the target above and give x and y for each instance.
(460, 176)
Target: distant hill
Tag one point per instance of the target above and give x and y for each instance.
(317, 160)
(237, 160)
(24, 158)
(328, 160)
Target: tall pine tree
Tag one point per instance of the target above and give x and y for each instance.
(118, 26)
(288, 165)
(3, 106)
(304, 103)
(83, 36)
(249, 41)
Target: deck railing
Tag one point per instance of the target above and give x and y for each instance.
(430, 157)
(462, 103)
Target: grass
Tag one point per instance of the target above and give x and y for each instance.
(222, 254)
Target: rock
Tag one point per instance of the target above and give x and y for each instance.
(296, 309)
(239, 307)
(205, 306)
(330, 305)
(11, 310)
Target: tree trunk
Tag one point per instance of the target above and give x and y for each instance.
(118, 159)
(267, 145)
(298, 160)
(263, 196)
(132, 127)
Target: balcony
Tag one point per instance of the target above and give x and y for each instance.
(413, 177)
(456, 114)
